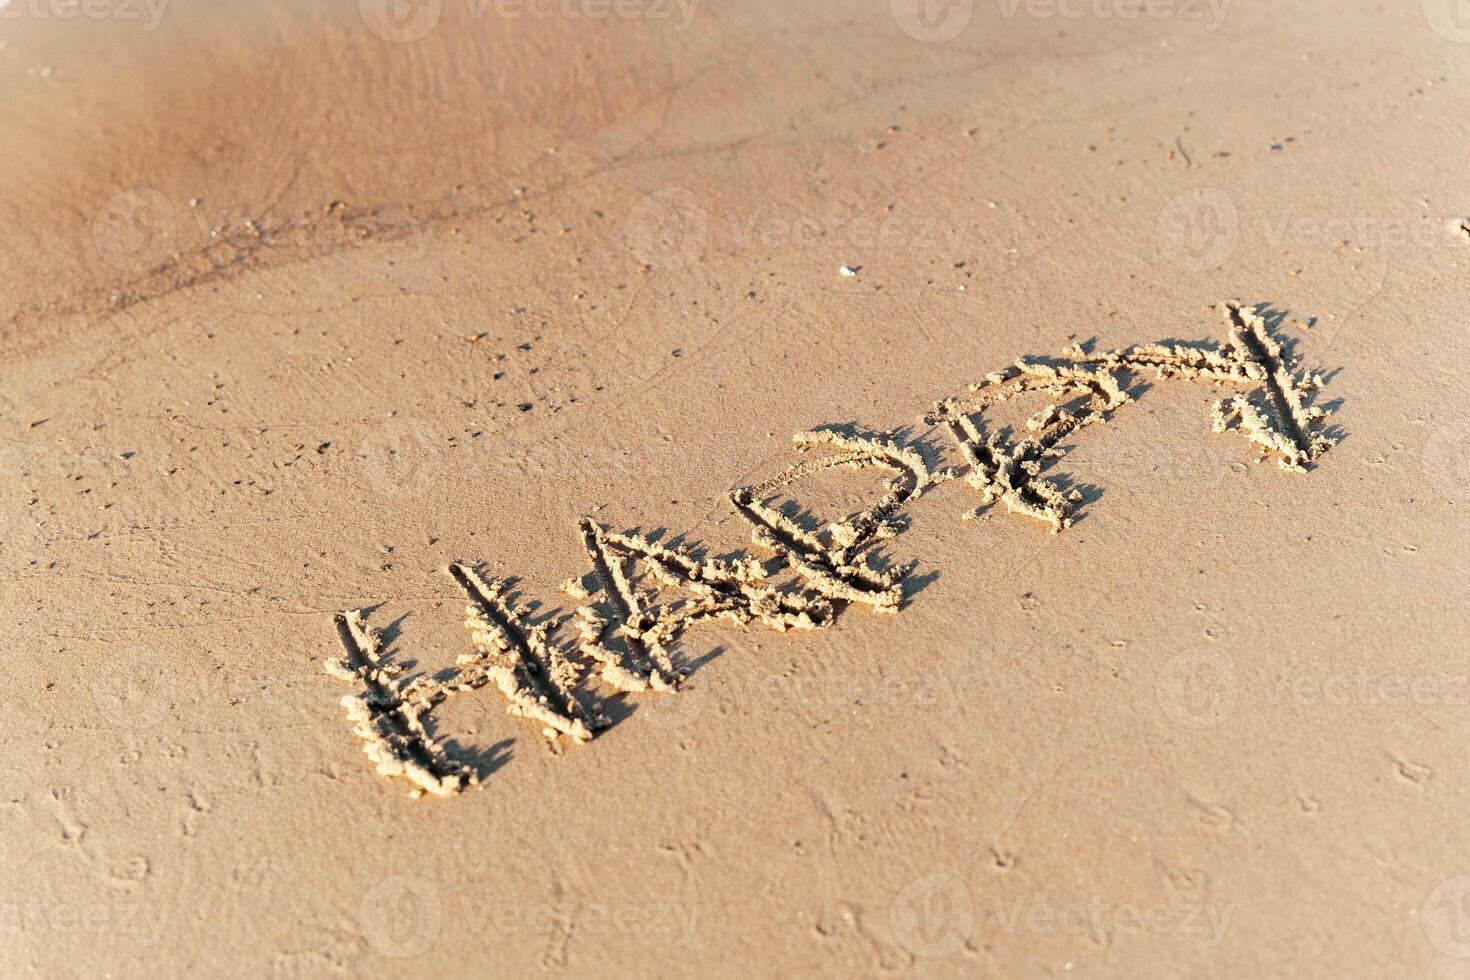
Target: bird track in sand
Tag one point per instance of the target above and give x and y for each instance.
(626, 645)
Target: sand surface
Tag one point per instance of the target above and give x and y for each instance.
(304, 304)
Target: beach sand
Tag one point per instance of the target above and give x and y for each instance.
(304, 306)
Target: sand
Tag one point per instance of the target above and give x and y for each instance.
(411, 568)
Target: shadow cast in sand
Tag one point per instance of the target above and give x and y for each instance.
(484, 760)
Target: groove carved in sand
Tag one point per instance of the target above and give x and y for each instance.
(389, 715)
(626, 630)
(841, 570)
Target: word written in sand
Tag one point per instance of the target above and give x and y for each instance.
(639, 597)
